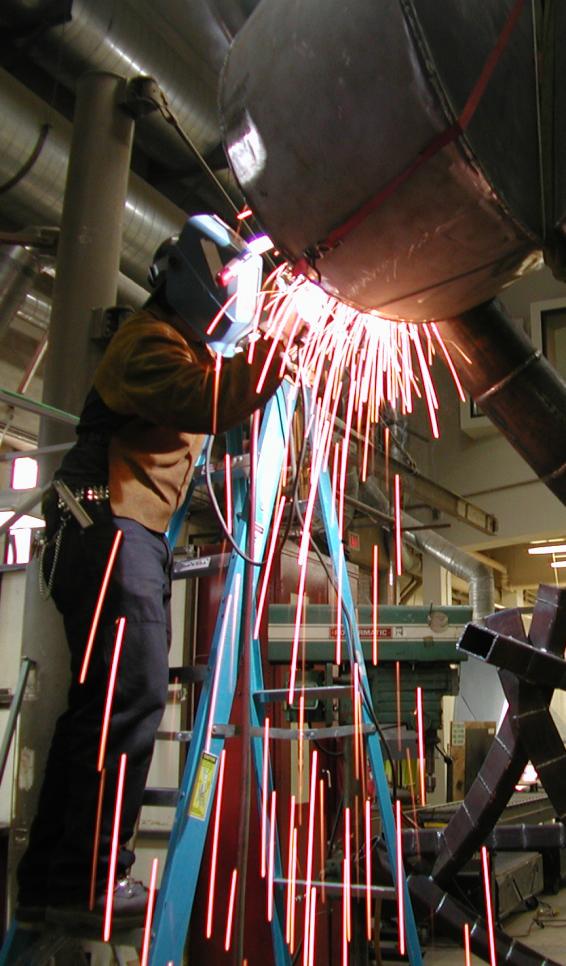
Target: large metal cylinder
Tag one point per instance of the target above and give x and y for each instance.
(326, 105)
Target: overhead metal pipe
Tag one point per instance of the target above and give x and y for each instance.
(18, 270)
(36, 198)
(514, 385)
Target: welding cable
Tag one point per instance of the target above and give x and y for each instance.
(218, 511)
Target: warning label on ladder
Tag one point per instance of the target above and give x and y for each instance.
(202, 788)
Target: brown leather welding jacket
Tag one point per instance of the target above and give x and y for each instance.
(168, 388)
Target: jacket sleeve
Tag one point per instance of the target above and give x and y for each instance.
(150, 371)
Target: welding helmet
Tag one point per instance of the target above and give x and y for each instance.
(201, 270)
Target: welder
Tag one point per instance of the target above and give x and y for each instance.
(156, 391)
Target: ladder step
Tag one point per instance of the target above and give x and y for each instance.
(162, 797)
(199, 566)
(337, 888)
(188, 674)
(282, 694)
(312, 734)
(217, 731)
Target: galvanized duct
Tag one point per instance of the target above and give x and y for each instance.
(37, 198)
(19, 268)
(453, 559)
(514, 385)
(181, 44)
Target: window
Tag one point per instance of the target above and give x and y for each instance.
(17, 547)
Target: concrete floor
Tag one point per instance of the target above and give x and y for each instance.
(549, 941)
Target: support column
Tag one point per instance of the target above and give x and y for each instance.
(87, 277)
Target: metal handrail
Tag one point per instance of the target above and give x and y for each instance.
(15, 707)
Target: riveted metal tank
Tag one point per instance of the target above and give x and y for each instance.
(325, 104)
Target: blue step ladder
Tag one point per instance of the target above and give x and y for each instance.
(188, 836)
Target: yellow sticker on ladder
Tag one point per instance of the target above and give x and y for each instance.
(202, 788)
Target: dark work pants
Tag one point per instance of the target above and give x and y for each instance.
(56, 867)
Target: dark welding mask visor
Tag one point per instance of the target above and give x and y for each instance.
(211, 270)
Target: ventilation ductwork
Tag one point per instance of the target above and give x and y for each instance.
(19, 268)
(453, 559)
(182, 45)
(37, 197)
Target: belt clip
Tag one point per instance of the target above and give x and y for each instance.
(64, 493)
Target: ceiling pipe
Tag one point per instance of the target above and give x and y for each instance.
(19, 268)
(514, 385)
(36, 198)
(182, 46)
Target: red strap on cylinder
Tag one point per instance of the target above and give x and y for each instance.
(439, 141)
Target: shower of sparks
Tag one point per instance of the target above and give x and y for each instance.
(214, 856)
(348, 872)
(114, 850)
(100, 603)
(312, 922)
(400, 878)
(216, 392)
(149, 913)
(120, 628)
(230, 914)
(467, 949)
(488, 906)
(421, 744)
(264, 794)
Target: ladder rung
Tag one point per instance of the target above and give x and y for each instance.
(311, 734)
(337, 888)
(188, 674)
(217, 731)
(282, 694)
(199, 566)
(162, 797)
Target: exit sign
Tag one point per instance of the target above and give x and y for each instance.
(354, 541)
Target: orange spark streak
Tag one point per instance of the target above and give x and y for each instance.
(310, 848)
(367, 825)
(420, 729)
(121, 625)
(215, 391)
(99, 604)
(244, 213)
(214, 856)
(312, 931)
(149, 913)
(375, 605)
(338, 655)
(488, 905)
(96, 841)
(221, 644)
(219, 315)
(228, 491)
(357, 722)
(467, 949)
(386, 447)
(400, 879)
(268, 564)
(293, 887)
(297, 632)
(344, 917)
(398, 544)
(347, 872)
(449, 362)
(322, 825)
(114, 850)
(290, 871)
(398, 698)
(271, 863)
(230, 916)
(264, 795)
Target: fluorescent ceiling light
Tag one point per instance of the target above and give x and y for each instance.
(557, 564)
(557, 548)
